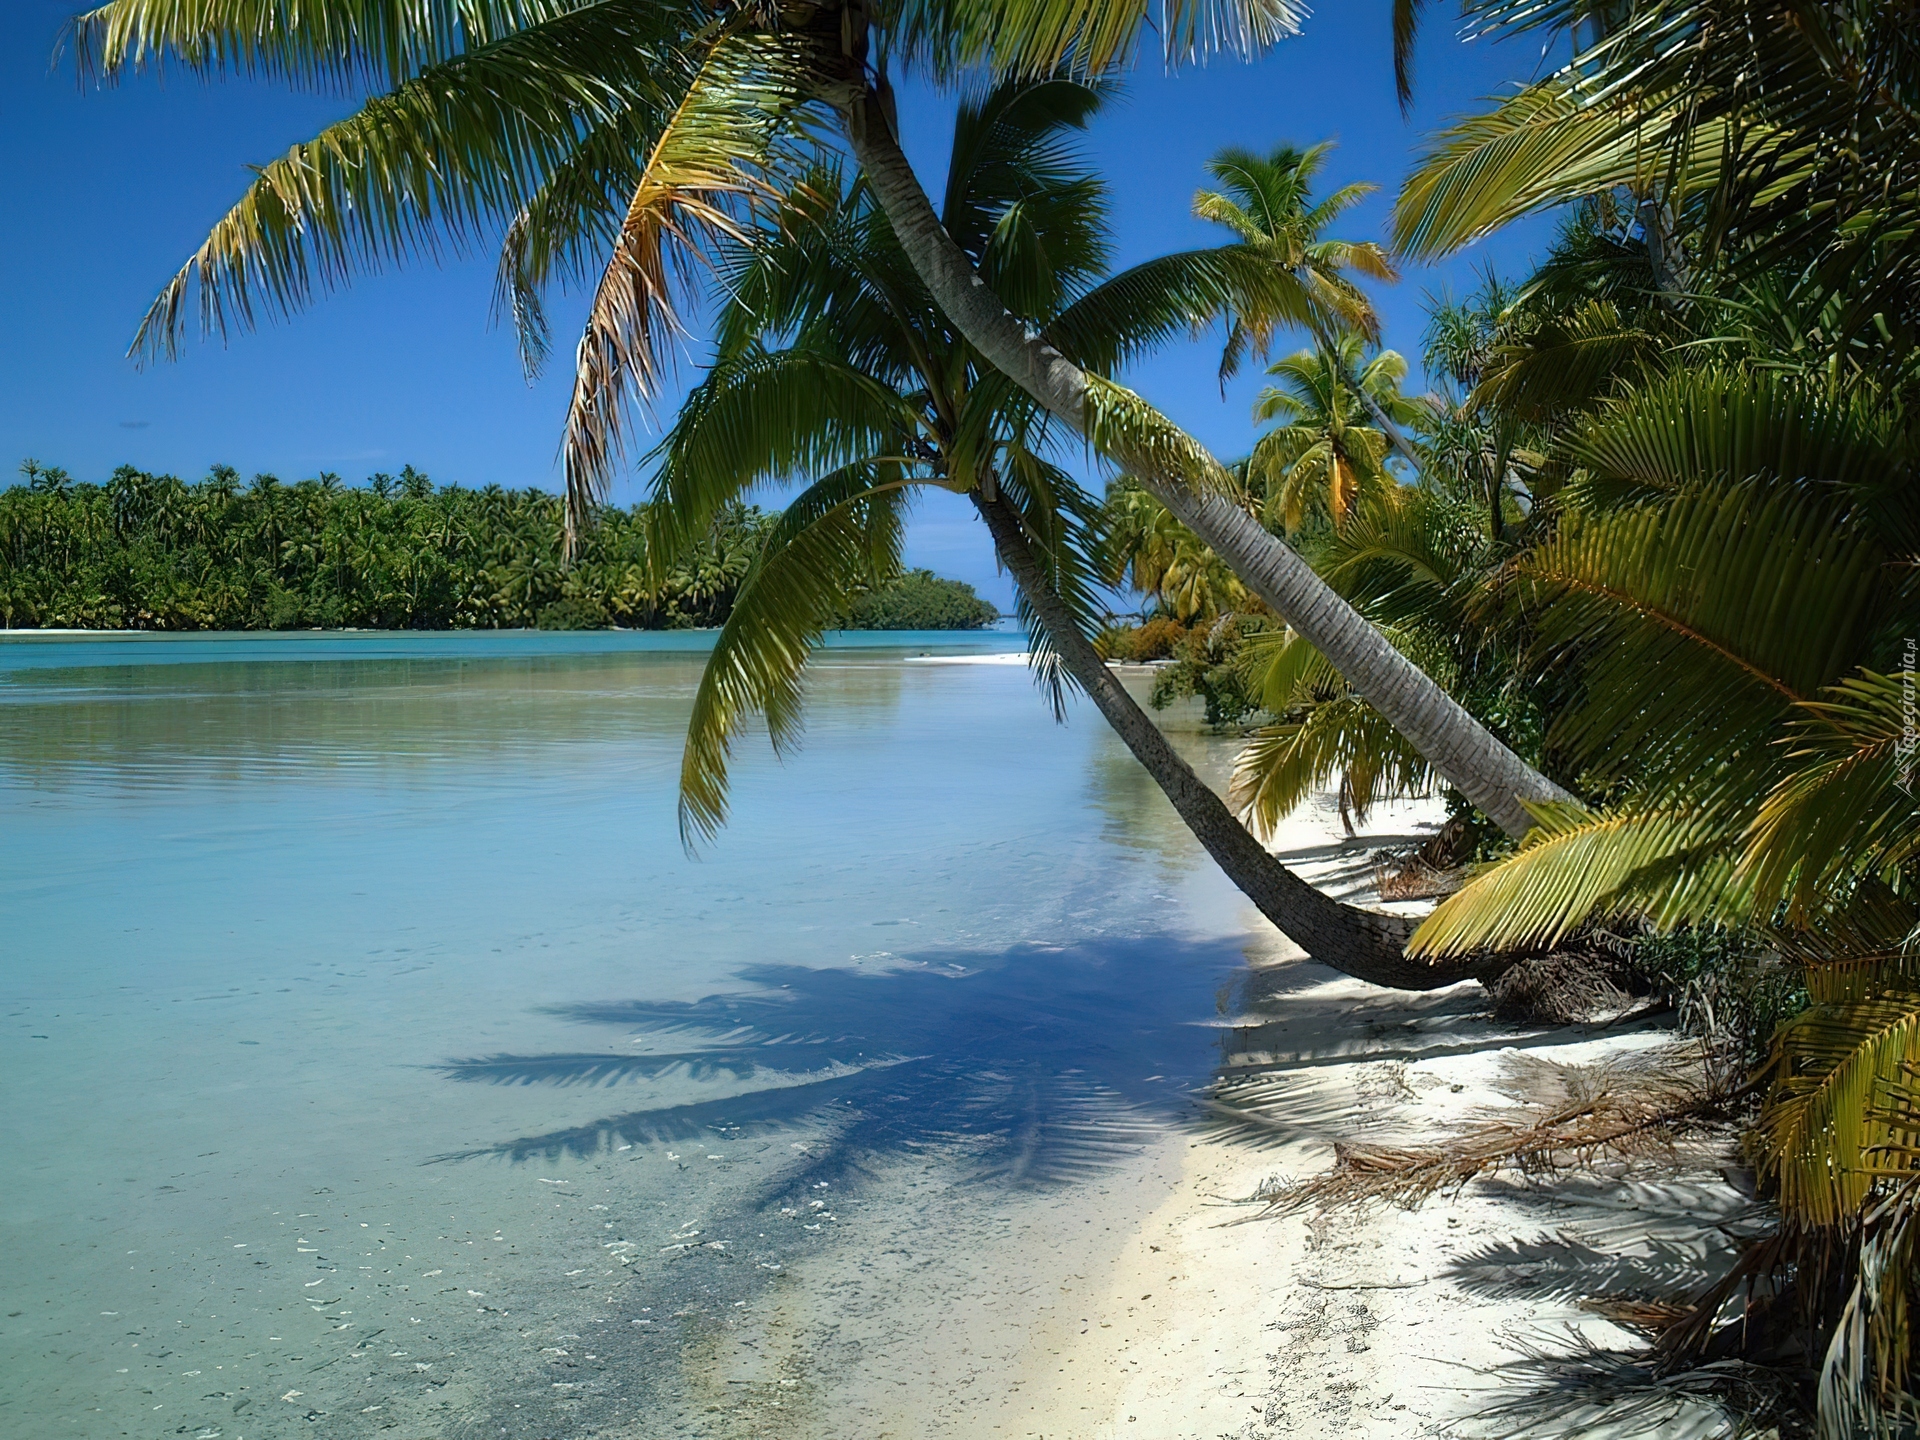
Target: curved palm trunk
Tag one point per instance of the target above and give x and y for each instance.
(1361, 943)
(1454, 743)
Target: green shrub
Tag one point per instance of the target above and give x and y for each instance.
(1207, 666)
(1725, 985)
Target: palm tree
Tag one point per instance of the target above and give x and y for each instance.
(616, 141)
(1736, 633)
(1267, 202)
(1179, 473)
(1321, 457)
(1153, 553)
(834, 366)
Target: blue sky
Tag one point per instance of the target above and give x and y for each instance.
(111, 188)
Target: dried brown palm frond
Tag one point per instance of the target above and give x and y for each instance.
(704, 170)
(1564, 987)
(1649, 1317)
(1580, 1388)
(1631, 1108)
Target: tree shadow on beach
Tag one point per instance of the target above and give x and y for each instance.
(1039, 1065)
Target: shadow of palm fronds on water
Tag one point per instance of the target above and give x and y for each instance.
(742, 1062)
(1039, 1065)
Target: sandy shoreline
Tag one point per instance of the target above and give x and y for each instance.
(1210, 1322)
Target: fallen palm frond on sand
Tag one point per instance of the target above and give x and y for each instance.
(1629, 1107)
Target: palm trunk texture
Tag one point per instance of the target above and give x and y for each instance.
(1461, 749)
(1364, 944)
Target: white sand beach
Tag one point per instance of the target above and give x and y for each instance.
(1215, 1322)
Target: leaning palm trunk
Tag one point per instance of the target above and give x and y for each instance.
(1458, 746)
(1364, 944)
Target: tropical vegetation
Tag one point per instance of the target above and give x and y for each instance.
(618, 145)
(1638, 587)
(152, 552)
(1663, 543)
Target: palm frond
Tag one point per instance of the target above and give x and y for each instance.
(1726, 424)
(838, 535)
(1129, 431)
(1129, 314)
(1568, 363)
(1083, 37)
(1697, 622)
(766, 417)
(702, 171)
(335, 42)
(1825, 1123)
(568, 225)
(1544, 146)
(1059, 523)
(1578, 867)
(1846, 807)
(1406, 29)
(1339, 741)
(434, 163)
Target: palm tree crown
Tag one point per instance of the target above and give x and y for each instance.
(1267, 202)
(1324, 454)
(834, 366)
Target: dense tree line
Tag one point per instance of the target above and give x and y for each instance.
(153, 552)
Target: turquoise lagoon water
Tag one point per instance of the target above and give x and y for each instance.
(377, 1062)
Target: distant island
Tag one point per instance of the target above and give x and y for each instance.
(153, 552)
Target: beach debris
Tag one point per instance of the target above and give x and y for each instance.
(1631, 1107)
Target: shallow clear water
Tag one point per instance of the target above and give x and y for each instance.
(376, 1061)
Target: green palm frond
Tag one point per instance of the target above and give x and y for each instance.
(1846, 807)
(1698, 621)
(1411, 558)
(1577, 868)
(1544, 146)
(1286, 672)
(1758, 89)
(821, 268)
(1725, 424)
(1040, 38)
(1406, 29)
(766, 417)
(704, 168)
(1162, 299)
(309, 41)
(1060, 524)
(1017, 181)
(1824, 1128)
(1337, 742)
(435, 163)
(841, 533)
(1568, 363)
(1128, 430)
